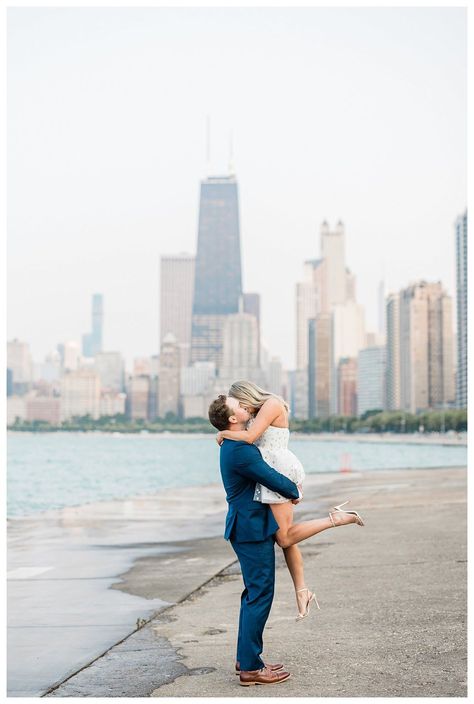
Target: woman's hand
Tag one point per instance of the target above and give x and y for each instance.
(297, 501)
(220, 437)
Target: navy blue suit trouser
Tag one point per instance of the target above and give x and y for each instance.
(257, 562)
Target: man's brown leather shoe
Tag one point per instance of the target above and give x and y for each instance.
(267, 664)
(263, 676)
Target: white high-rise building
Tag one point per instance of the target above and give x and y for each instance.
(348, 329)
(426, 347)
(311, 299)
(196, 379)
(241, 346)
(176, 300)
(110, 368)
(19, 361)
(274, 376)
(329, 287)
(50, 370)
(333, 252)
(80, 394)
(70, 355)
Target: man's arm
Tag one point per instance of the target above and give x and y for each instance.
(250, 463)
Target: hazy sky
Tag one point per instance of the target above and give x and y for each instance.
(336, 113)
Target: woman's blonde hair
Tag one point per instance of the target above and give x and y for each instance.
(251, 394)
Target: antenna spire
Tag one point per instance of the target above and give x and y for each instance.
(208, 144)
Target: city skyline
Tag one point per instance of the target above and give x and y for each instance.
(377, 142)
(170, 261)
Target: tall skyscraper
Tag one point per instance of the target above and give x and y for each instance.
(176, 300)
(333, 250)
(392, 393)
(426, 347)
(218, 278)
(311, 299)
(169, 377)
(92, 342)
(328, 288)
(347, 386)
(348, 338)
(319, 366)
(298, 382)
(461, 293)
(371, 379)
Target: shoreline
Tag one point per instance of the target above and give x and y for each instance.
(435, 438)
(51, 513)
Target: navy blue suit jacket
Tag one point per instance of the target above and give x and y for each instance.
(242, 466)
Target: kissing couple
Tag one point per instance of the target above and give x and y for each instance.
(263, 480)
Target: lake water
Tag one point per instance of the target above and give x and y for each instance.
(53, 470)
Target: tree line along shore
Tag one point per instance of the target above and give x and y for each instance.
(439, 421)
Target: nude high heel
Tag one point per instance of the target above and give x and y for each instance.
(337, 509)
(311, 597)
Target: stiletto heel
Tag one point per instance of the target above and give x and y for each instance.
(337, 509)
(303, 615)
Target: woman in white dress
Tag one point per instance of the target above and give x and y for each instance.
(268, 429)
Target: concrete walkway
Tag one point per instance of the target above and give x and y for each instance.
(392, 596)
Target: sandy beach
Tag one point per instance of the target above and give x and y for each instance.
(392, 595)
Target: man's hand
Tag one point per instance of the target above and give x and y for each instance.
(219, 438)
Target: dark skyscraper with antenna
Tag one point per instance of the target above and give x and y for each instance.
(218, 277)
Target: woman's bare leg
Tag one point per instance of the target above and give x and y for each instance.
(290, 533)
(283, 514)
(301, 531)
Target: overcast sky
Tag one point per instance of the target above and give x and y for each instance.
(339, 113)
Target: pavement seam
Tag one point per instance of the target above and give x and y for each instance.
(144, 623)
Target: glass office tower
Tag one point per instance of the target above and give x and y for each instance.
(218, 276)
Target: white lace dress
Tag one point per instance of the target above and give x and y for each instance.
(273, 444)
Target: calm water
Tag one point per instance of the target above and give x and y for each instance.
(67, 469)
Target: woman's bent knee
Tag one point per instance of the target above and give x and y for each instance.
(282, 539)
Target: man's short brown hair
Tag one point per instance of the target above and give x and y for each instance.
(219, 413)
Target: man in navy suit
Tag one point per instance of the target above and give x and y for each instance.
(250, 527)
